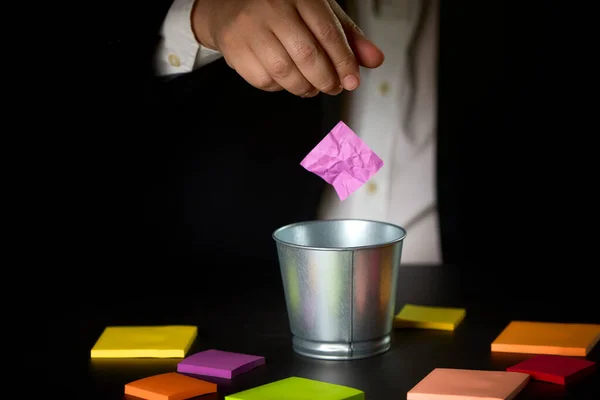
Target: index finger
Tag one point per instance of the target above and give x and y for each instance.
(328, 30)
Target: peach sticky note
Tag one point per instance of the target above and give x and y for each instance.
(423, 317)
(547, 338)
(464, 384)
(144, 342)
(295, 388)
(555, 369)
(169, 386)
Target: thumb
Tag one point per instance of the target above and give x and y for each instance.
(366, 52)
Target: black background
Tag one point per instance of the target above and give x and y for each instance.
(126, 206)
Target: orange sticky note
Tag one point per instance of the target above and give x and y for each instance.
(547, 338)
(464, 384)
(169, 386)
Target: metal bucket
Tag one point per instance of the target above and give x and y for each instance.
(340, 279)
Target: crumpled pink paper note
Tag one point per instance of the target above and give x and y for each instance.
(343, 160)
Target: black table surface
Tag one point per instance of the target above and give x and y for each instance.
(250, 317)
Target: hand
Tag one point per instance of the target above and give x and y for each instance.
(302, 46)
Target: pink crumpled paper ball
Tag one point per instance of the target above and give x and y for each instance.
(343, 160)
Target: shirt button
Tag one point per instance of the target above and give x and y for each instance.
(384, 88)
(371, 187)
(174, 60)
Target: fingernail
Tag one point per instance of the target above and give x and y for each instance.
(350, 82)
(310, 94)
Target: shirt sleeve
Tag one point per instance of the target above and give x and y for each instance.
(178, 50)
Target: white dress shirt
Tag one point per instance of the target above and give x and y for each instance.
(393, 111)
(178, 50)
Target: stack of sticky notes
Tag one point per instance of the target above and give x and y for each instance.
(221, 364)
(169, 386)
(450, 384)
(144, 342)
(547, 338)
(295, 388)
(424, 317)
(555, 369)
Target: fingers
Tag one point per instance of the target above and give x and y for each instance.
(306, 52)
(304, 47)
(280, 66)
(248, 66)
(329, 33)
(366, 52)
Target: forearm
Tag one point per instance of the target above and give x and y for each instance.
(132, 32)
(122, 62)
(178, 50)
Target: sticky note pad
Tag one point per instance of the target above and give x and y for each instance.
(547, 338)
(169, 386)
(295, 388)
(145, 341)
(221, 364)
(343, 160)
(423, 317)
(464, 384)
(555, 369)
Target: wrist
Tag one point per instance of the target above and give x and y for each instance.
(200, 27)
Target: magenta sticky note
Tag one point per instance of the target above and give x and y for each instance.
(555, 369)
(220, 364)
(343, 160)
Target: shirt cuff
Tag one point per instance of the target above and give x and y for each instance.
(206, 56)
(178, 50)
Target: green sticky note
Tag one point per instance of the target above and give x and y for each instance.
(295, 388)
(423, 317)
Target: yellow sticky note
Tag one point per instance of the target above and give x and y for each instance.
(424, 317)
(561, 339)
(145, 341)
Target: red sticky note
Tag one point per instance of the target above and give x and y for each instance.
(555, 369)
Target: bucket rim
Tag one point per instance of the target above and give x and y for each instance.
(399, 239)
